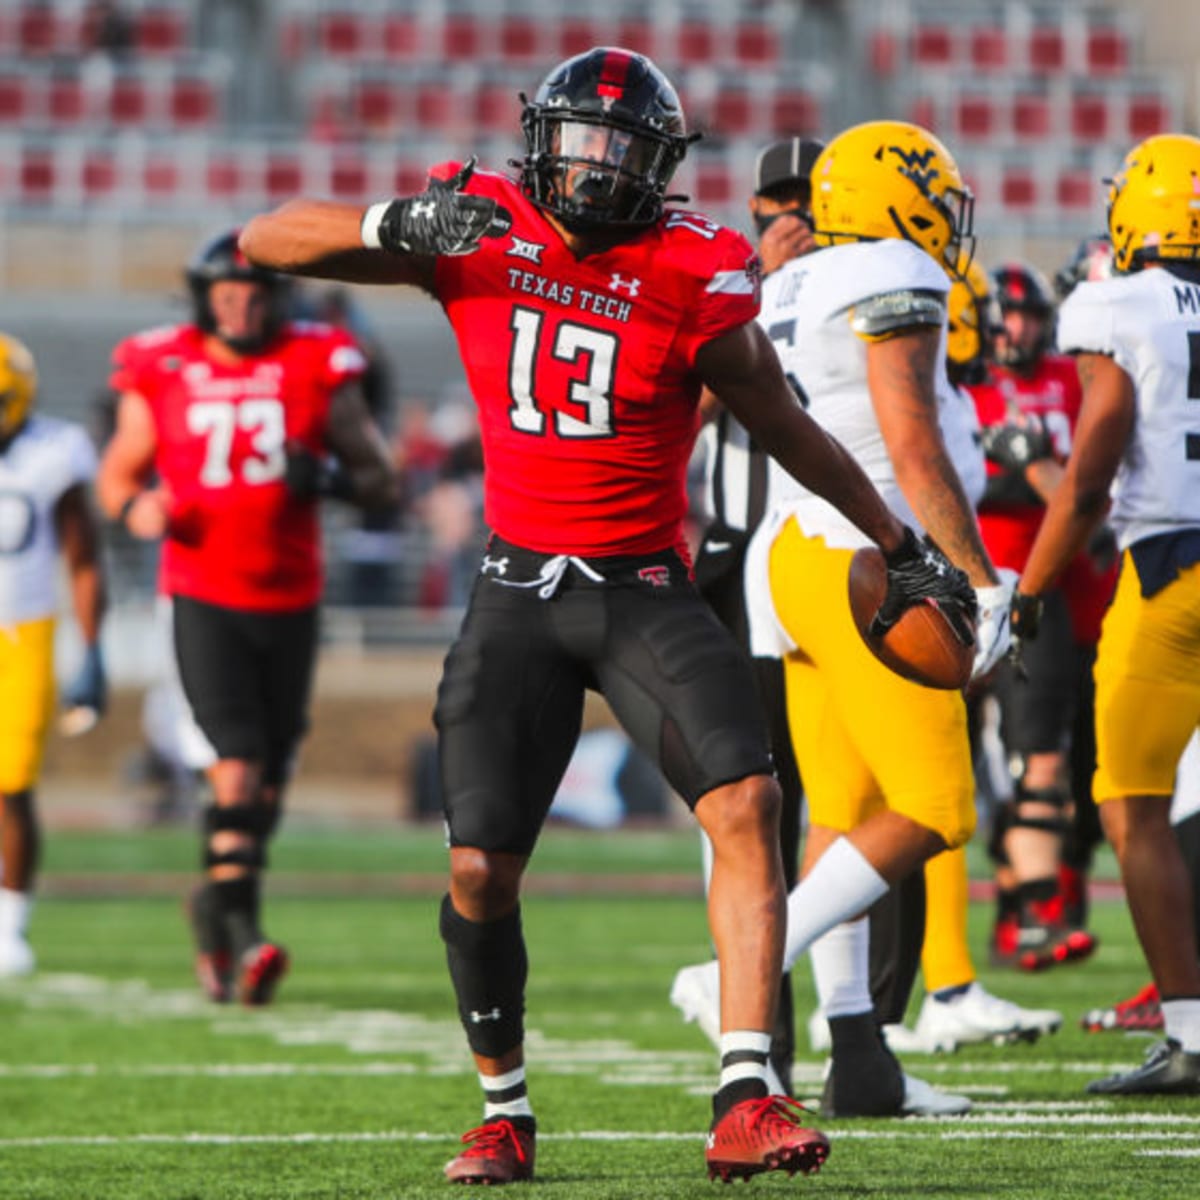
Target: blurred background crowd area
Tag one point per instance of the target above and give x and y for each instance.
(130, 130)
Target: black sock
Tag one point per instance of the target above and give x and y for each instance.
(238, 900)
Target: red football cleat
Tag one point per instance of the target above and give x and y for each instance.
(499, 1151)
(1140, 1013)
(764, 1135)
(1045, 939)
(263, 966)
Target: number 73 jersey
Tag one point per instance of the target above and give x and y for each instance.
(237, 536)
(583, 370)
(1149, 323)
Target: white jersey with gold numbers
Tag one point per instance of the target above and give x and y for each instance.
(1149, 323)
(46, 459)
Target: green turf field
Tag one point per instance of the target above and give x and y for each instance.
(119, 1083)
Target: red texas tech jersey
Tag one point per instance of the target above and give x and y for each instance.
(583, 370)
(237, 536)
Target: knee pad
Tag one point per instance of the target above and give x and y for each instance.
(256, 821)
(488, 967)
(1055, 797)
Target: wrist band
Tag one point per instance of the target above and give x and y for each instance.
(369, 230)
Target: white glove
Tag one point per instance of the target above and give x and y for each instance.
(992, 629)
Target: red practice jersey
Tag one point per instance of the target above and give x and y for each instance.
(1052, 393)
(237, 536)
(584, 370)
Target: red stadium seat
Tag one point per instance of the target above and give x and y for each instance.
(1148, 114)
(713, 184)
(1076, 188)
(988, 49)
(1018, 189)
(342, 34)
(638, 33)
(401, 36)
(409, 178)
(376, 106)
(161, 30)
(38, 175)
(923, 111)
(576, 35)
(192, 102)
(496, 108)
(1031, 116)
(520, 38)
(755, 44)
(161, 178)
(1047, 50)
(1091, 117)
(436, 106)
(128, 103)
(732, 112)
(38, 30)
(462, 38)
(283, 177)
(883, 54)
(1106, 51)
(696, 44)
(795, 111)
(15, 106)
(933, 46)
(976, 117)
(98, 175)
(225, 177)
(349, 177)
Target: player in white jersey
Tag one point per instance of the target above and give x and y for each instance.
(45, 469)
(1137, 445)
(860, 328)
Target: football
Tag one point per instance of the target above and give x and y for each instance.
(921, 646)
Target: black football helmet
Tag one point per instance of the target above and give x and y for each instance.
(220, 258)
(603, 135)
(1019, 287)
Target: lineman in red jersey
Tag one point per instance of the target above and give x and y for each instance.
(223, 430)
(1028, 408)
(588, 318)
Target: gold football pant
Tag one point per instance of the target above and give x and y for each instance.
(26, 700)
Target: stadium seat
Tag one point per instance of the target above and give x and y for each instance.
(408, 178)
(283, 177)
(436, 105)
(342, 34)
(1091, 117)
(97, 175)
(128, 101)
(883, 54)
(1047, 52)
(695, 43)
(987, 49)
(225, 177)
(755, 44)
(1147, 115)
(732, 112)
(192, 102)
(520, 38)
(1106, 51)
(638, 33)
(349, 177)
(38, 175)
(1032, 116)
(932, 46)
(161, 30)
(1075, 188)
(376, 106)
(495, 107)
(462, 38)
(1019, 189)
(577, 34)
(923, 111)
(713, 184)
(402, 37)
(976, 117)
(40, 30)
(162, 179)
(794, 111)
(15, 105)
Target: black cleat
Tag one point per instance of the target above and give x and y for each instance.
(1169, 1070)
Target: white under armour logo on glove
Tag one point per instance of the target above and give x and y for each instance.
(992, 629)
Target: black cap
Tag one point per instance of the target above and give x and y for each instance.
(789, 161)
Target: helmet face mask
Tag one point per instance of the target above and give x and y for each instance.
(220, 259)
(604, 134)
(18, 386)
(892, 179)
(1154, 203)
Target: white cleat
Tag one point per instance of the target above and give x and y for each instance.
(977, 1016)
(818, 1033)
(922, 1099)
(696, 992)
(16, 957)
(902, 1040)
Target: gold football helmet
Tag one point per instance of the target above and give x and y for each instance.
(1154, 202)
(892, 179)
(18, 385)
(968, 319)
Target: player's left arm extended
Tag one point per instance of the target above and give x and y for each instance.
(79, 539)
(1081, 499)
(743, 369)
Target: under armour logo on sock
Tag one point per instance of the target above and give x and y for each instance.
(478, 1018)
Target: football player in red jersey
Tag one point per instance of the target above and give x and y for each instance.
(1028, 407)
(229, 430)
(589, 315)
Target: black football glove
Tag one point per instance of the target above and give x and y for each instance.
(309, 477)
(86, 697)
(919, 573)
(1013, 447)
(443, 219)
